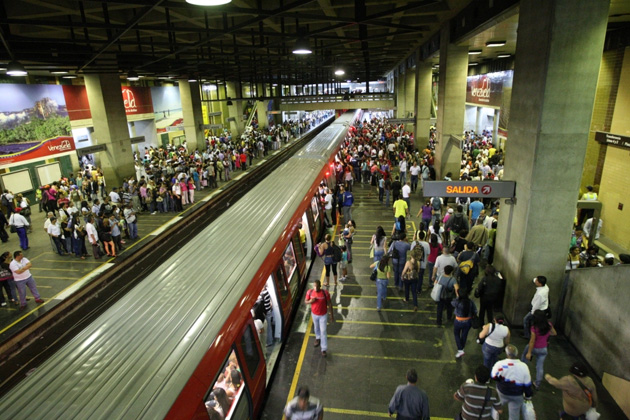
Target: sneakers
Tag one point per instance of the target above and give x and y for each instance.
(343, 279)
(459, 354)
(316, 343)
(39, 300)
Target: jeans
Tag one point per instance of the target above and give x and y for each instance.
(320, 324)
(387, 192)
(381, 292)
(527, 322)
(430, 266)
(78, 247)
(420, 280)
(398, 268)
(414, 182)
(57, 241)
(541, 355)
(269, 319)
(461, 329)
(514, 403)
(22, 285)
(347, 213)
(413, 285)
(444, 303)
(403, 177)
(490, 355)
(133, 230)
(21, 232)
(6, 285)
(381, 194)
(378, 254)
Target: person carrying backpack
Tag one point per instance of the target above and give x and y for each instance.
(468, 266)
(398, 251)
(457, 222)
(436, 209)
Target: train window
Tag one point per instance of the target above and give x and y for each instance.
(315, 208)
(281, 284)
(289, 261)
(250, 350)
(226, 390)
(299, 248)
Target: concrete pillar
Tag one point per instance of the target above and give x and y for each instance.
(478, 120)
(552, 103)
(235, 110)
(424, 80)
(495, 127)
(193, 117)
(400, 96)
(263, 121)
(451, 104)
(410, 94)
(110, 127)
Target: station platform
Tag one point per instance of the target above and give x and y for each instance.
(369, 352)
(58, 276)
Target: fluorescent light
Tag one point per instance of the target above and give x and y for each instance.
(208, 2)
(70, 76)
(504, 55)
(59, 72)
(132, 76)
(473, 64)
(15, 68)
(495, 43)
(474, 52)
(192, 80)
(340, 72)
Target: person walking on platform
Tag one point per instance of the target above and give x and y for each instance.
(478, 397)
(465, 309)
(92, 235)
(409, 401)
(20, 224)
(327, 253)
(398, 251)
(495, 336)
(304, 407)
(383, 274)
(320, 302)
(579, 392)
(540, 301)
(540, 330)
(513, 381)
(20, 267)
(348, 201)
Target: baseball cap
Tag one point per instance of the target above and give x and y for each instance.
(609, 255)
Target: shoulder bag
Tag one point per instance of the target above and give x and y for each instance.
(436, 292)
(591, 414)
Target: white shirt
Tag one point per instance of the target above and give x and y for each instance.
(54, 229)
(403, 166)
(441, 262)
(114, 197)
(406, 190)
(91, 232)
(414, 170)
(587, 228)
(541, 299)
(496, 338)
(328, 201)
(15, 265)
(18, 220)
(487, 223)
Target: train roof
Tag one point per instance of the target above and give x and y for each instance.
(134, 359)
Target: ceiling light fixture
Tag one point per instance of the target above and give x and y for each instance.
(70, 76)
(302, 46)
(495, 43)
(208, 2)
(504, 55)
(474, 52)
(15, 68)
(473, 64)
(192, 80)
(58, 72)
(132, 76)
(340, 72)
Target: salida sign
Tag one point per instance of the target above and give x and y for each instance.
(483, 189)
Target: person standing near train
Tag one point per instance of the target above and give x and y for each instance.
(320, 302)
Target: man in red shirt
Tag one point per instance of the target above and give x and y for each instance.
(320, 302)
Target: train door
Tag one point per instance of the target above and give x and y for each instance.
(308, 227)
(240, 385)
(282, 290)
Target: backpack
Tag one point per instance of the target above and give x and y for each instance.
(337, 254)
(395, 253)
(436, 203)
(466, 267)
(5, 200)
(418, 252)
(458, 224)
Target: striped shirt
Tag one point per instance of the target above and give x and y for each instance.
(473, 395)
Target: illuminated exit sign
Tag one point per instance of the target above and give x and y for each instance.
(482, 189)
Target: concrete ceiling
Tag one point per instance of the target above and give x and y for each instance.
(247, 40)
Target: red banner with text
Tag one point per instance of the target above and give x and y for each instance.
(137, 100)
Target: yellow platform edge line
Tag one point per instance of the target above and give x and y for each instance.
(367, 413)
(400, 359)
(353, 337)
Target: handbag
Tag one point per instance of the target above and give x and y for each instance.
(436, 292)
(483, 340)
(13, 229)
(528, 411)
(373, 275)
(372, 252)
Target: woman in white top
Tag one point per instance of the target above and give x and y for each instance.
(378, 243)
(328, 199)
(497, 336)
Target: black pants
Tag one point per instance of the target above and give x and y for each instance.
(4, 236)
(486, 306)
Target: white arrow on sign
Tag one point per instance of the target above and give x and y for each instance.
(486, 189)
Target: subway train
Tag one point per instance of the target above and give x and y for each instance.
(183, 344)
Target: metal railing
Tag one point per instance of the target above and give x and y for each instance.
(349, 97)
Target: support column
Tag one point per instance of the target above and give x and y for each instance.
(110, 127)
(400, 96)
(424, 80)
(451, 104)
(193, 117)
(235, 110)
(478, 119)
(263, 121)
(495, 127)
(410, 94)
(552, 104)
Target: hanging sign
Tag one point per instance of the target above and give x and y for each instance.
(482, 189)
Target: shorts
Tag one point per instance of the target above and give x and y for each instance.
(343, 264)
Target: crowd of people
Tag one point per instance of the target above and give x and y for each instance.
(453, 247)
